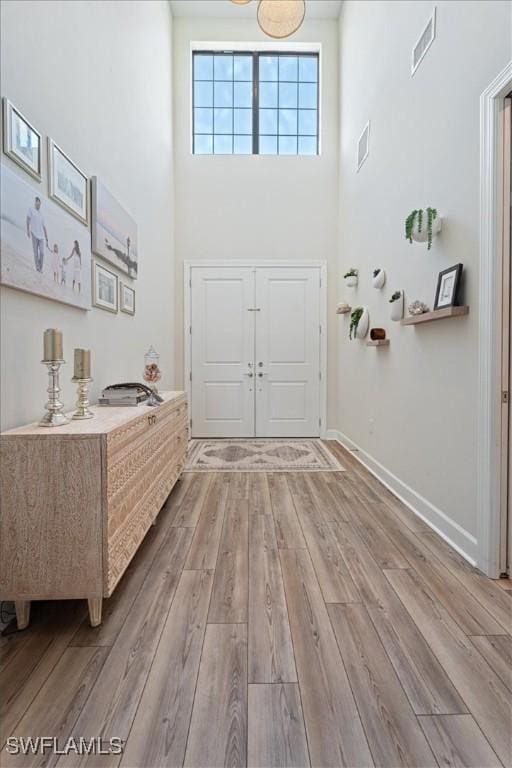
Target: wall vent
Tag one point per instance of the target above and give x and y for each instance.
(363, 145)
(424, 42)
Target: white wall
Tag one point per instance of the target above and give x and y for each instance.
(96, 77)
(254, 207)
(421, 392)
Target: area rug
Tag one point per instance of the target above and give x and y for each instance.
(260, 456)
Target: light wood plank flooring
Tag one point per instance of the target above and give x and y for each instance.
(275, 620)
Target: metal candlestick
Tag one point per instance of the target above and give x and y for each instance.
(54, 416)
(82, 403)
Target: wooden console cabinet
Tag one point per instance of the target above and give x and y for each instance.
(77, 500)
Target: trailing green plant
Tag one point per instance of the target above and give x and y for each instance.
(395, 296)
(351, 273)
(355, 317)
(431, 217)
(409, 224)
(418, 214)
(376, 272)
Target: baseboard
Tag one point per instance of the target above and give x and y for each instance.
(453, 533)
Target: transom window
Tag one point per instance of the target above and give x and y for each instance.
(255, 103)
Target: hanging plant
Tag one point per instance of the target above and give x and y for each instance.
(396, 295)
(378, 278)
(355, 317)
(414, 225)
(351, 277)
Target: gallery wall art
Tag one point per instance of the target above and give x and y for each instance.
(104, 288)
(68, 185)
(22, 143)
(44, 250)
(114, 232)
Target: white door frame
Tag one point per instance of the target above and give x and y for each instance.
(490, 325)
(189, 265)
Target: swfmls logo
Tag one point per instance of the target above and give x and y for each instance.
(41, 745)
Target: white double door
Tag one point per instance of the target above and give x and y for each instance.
(255, 351)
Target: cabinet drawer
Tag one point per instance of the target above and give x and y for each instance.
(140, 501)
(121, 440)
(131, 471)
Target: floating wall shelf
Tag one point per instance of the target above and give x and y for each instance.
(437, 314)
(378, 343)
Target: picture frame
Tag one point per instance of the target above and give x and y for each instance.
(21, 141)
(44, 251)
(126, 298)
(114, 231)
(105, 293)
(447, 289)
(67, 184)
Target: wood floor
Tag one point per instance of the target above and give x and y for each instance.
(275, 620)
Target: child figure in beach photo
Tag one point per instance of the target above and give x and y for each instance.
(55, 262)
(77, 265)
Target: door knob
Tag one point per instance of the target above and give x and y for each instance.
(260, 365)
(250, 374)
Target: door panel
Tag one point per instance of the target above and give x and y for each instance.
(287, 352)
(222, 352)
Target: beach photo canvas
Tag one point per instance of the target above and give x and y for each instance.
(114, 232)
(44, 250)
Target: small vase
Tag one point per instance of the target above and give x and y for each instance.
(363, 325)
(351, 281)
(379, 279)
(421, 237)
(397, 308)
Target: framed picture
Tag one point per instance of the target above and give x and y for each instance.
(44, 251)
(104, 288)
(67, 184)
(126, 299)
(22, 143)
(447, 287)
(114, 232)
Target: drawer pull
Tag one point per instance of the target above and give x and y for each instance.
(151, 419)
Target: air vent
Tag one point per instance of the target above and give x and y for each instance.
(363, 145)
(424, 42)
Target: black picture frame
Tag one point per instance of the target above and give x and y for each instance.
(441, 294)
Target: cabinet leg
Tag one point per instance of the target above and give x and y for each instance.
(95, 605)
(22, 613)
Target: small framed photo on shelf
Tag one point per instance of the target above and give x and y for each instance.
(104, 288)
(448, 287)
(126, 299)
(22, 143)
(67, 184)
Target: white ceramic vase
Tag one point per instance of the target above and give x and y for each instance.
(363, 325)
(351, 281)
(397, 308)
(421, 237)
(379, 279)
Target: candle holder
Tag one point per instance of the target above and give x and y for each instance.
(54, 416)
(82, 402)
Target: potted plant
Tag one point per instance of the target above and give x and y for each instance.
(378, 278)
(422, 225)
(359, 322)
(351, 277)
(397, 305)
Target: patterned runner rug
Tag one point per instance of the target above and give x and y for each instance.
(260, 455)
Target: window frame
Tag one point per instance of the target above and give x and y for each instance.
(256, 51)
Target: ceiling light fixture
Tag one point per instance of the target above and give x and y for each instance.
(240, 2)
(281, 18)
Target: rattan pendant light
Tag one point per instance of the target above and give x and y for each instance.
(281, 18)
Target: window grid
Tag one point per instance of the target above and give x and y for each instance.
(305, 137)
